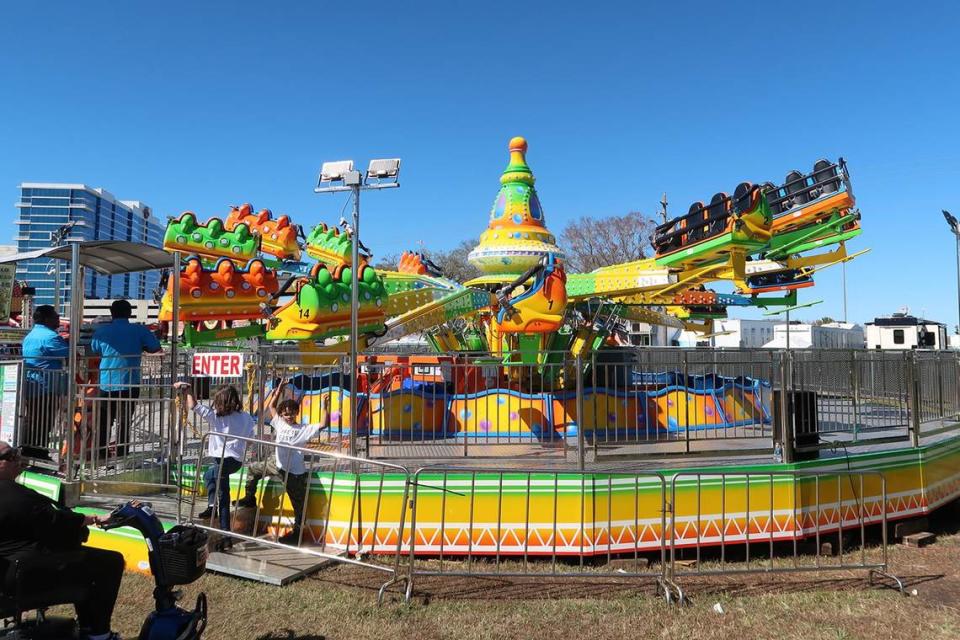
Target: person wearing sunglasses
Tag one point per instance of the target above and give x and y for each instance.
(33, 525)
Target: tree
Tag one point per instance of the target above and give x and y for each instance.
(387, 262)
(452, 262)
(590, 243)
(824, 320)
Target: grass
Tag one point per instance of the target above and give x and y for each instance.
(341, 603)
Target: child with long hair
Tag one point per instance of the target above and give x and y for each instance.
(225, 417)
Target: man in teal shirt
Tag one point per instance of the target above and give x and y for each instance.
(120, 345)
(44, 354)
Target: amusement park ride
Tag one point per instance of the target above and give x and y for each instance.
(244, 276)
(254, 275)
(523, 334)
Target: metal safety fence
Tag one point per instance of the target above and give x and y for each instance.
(43, 406)
(778, 522)
(321, 504)
(122, 427)
(444, 522)
(609, 405)
(539, 523)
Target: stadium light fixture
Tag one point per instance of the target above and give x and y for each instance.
(341, 176)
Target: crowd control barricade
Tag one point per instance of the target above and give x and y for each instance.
(778, 522)
(123, 431)
(42, 406)
(540, 523)
(354, 511)
(249, 381)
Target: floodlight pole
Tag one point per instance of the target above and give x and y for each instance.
(788, 329)
(56, 240)
(355, 181)
(56, 286)
(354, 310)
(955, 229)
(843, 275)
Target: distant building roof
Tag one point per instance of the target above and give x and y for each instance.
(900, 320)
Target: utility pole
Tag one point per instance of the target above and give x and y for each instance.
(663, 207)
(955, 229)
(843, 267)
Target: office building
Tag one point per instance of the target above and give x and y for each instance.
(91, 214)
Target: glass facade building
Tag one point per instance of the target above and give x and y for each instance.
(45, 208)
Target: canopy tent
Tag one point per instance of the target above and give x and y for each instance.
(109, 257)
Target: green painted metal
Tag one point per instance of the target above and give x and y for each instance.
(725, 241)
(193, 337)
(185, 234)
(822, 234)
(324, 243)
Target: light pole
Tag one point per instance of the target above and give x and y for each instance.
(787, 310)
(53, 269)
(955, 229)
(56, 240)
(341, 176)
(843, 267)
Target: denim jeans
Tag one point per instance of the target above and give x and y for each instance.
(210, 480)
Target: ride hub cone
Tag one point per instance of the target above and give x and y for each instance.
(517, 236)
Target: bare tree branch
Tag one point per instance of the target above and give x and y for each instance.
(591, 243)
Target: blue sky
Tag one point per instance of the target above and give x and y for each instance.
(202, 105)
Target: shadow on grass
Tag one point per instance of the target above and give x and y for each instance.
(287, 634)
(546, 587)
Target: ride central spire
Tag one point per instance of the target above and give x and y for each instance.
(517, 237)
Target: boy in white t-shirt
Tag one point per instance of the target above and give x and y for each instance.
(288, 464)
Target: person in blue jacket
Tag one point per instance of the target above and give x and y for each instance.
(120, 345)
(44, 356)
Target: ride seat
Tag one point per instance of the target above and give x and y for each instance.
(26, 584)
(717, 214)
(743, 197)
(795, 186)
(697, 231)
(774, 197)
(823, 171)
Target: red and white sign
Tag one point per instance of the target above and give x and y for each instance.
(218, 365)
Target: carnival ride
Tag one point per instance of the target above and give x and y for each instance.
(243, 277)
(520, 353)
(763, 239)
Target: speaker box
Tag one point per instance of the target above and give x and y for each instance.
(802, 412)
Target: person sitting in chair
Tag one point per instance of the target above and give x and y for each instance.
(32, 525)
